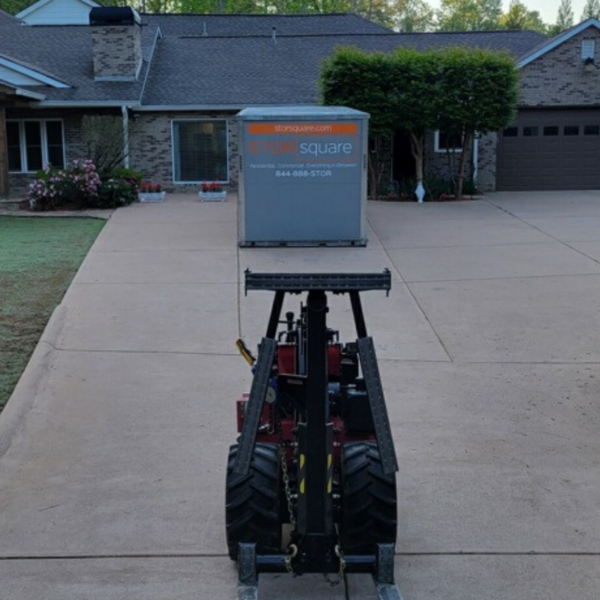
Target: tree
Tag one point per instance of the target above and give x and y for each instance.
(363, 81)
(480, 93)
(564, 18)
(14, 6)
(414, 15)
(415, 77)
(519, 17)
(469, 15)
(591, 10)
(106, 142)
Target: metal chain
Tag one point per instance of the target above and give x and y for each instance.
(286, 477)
(292, 553)
(340, 574)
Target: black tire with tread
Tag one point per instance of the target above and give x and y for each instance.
(252, 502)
(368, 502)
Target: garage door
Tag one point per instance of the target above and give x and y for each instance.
(550, 150)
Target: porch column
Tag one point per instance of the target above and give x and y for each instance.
(3, 155)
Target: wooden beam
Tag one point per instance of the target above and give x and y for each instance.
(4, 188)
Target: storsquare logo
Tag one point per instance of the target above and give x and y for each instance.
(304, 142)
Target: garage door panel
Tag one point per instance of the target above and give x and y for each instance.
(546, 162)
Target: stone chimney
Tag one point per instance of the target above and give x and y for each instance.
(116, 43)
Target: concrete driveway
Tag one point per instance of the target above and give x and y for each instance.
(113, 446)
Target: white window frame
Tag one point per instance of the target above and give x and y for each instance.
(441, 150)
(44, 142)
(173, 149)
(588, 49)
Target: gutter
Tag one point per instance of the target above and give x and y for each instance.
(211, 107)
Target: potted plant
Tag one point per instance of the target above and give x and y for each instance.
(212, 191)
(151, 192)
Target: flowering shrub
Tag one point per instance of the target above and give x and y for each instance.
(148, 187)
(212, 186)
(75, 186)
(78, 186)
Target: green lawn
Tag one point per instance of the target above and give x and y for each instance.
(39, 257)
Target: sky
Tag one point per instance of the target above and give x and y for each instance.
(548, 9)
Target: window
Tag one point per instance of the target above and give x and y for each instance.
(551, 130)
(571, 130)
(33, 144)
(588, 49)
(445, 142)
(530, 131)
(591, 130)
(200, 151)
(511, 132)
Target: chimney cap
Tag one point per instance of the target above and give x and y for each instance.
(114, 15)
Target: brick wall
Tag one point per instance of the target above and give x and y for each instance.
(152, 146)
(117, 51)
(557, 78)
(486, 172)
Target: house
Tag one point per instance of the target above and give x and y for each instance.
(181, 79)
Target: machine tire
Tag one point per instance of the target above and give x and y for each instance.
(252, 502)
(368, 502)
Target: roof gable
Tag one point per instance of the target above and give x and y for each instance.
(58, 12)
(560, 39)
(18, 73)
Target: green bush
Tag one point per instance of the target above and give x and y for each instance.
(116, 192)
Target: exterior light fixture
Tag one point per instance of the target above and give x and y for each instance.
(588, 65)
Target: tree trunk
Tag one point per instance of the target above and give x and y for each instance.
(375, 167)
(468, 137)
(416, 147)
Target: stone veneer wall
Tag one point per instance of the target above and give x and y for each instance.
(117, 51)
(152, 147)
(557, 78)
(486, 172)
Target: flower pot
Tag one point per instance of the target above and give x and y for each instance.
(152, 196)
(212, 196)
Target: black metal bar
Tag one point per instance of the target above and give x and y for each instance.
(254, 407)
(383, 430)
(355, 563)
(247, 573)
(384, 573)
(314, 501)
(359, 317)
(275, 314)
(327, 282)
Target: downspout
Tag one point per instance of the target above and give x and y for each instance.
(125, 112)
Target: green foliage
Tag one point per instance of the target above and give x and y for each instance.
(351, 77)
(564, 19)
(469, 15)
(115, 192)
(519, 17)
(458, 90)
(414, 16)
(591, 10)
(479, 89)
(126, 173)
(480, 94)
